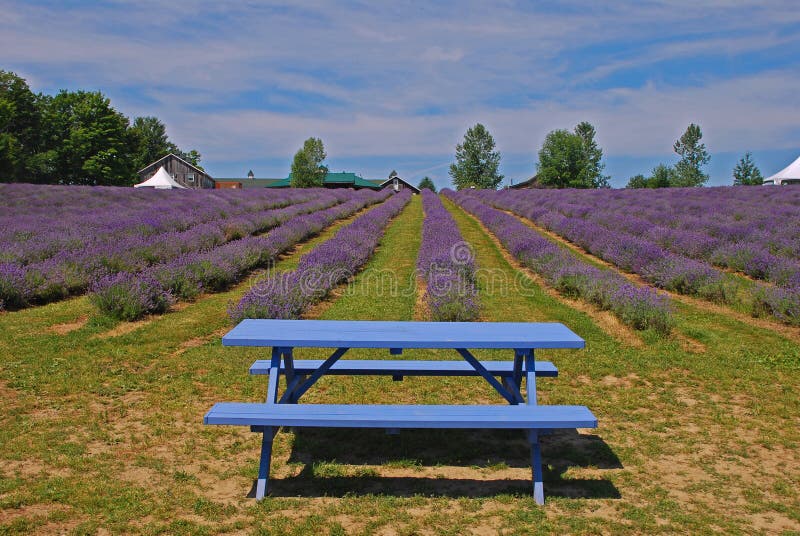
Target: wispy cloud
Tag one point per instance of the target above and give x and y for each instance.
(245, 80)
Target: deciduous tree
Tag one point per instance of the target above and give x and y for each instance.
(307, 168)
(571, 159)
(476, 162)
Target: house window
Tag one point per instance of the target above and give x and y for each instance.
(396, 185)
(190, 177)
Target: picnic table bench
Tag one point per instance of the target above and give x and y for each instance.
(520, 413)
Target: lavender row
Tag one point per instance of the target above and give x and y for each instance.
(639, 307)
(758, 236)
(129, 296)
(658, 266)
(289, 294)
(41, 221)
(70, 272)
(447, 265)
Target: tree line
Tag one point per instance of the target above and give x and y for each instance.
(573, 159)
(75, 137)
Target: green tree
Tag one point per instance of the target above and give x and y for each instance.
(20, 120)
(637, 181)
(746, 173)
(193, 157)
(593, 155)
(87, 141)
(476, 161)
(307, 168)
(571, 159)
(688, 170)
(662, 176)
(562, 161)
(393, 174)
(426, 182)
(150, 140)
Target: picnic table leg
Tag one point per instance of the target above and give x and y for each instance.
(533, 435)
(536, 467)
(274, 372)
(264, 463)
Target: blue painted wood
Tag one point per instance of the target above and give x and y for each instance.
(400, 416)
(382, 334)
(530, 373)
(536, 467)
(264, 463)
(318, 373)
(274, 368)
(511, 397)
(359, 367)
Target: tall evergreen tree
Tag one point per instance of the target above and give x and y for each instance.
(746, 173)
(307, 168)
(688, 170)
(426, 182)
(476, 162)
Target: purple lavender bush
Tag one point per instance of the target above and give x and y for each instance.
(129, 297)
(217, 269)
(289, 294)
(639, 307)
(447, 265)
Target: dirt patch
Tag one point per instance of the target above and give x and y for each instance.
(199, 341)
(63, 329)
(421, 309)
(123, 328)
(690, 345)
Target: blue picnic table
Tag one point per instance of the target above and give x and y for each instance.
(283, 336)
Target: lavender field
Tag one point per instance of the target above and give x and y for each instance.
(114, 301)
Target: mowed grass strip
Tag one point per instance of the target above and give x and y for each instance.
(107, 433)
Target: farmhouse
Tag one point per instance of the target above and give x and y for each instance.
(530, 183)
(181, 171)
(190, 176)
(398, 184)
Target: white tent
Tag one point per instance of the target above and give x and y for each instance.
(161, 181)
(789, 174)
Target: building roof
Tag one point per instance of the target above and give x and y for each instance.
(251, 183)
(179, 158)
(528, 183)
(408, 184)
(344, 178)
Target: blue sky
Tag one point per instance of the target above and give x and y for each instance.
(394, 85)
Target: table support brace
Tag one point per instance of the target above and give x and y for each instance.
(511, 395)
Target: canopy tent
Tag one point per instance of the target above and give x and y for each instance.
(161, 181)
(788, 175)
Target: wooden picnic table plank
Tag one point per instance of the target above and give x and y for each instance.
(394, 334)
(403, 367)
(401, 416)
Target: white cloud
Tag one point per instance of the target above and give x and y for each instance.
(409, 79)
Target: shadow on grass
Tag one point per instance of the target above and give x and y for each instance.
(328, 454)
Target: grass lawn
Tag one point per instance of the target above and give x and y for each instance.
(102, 423)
